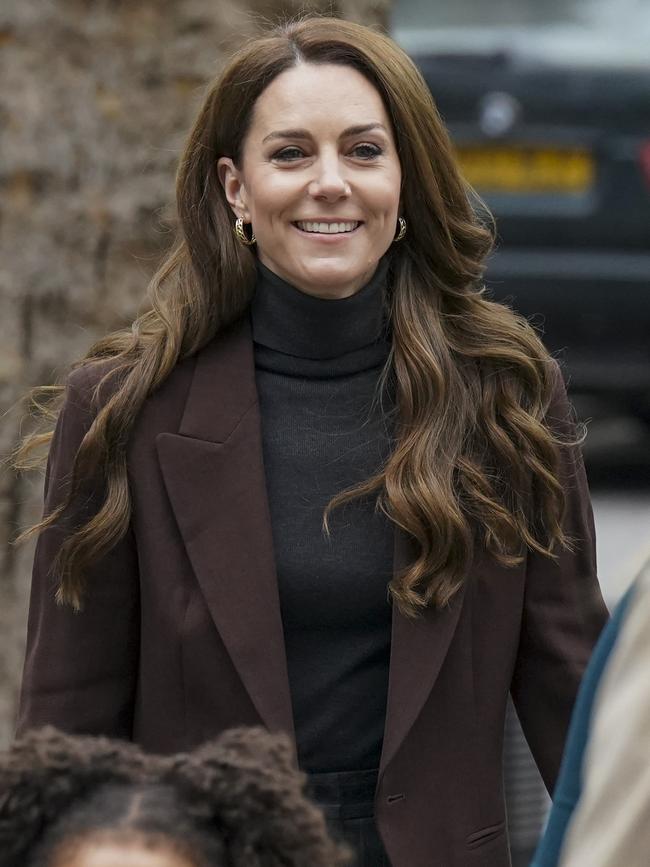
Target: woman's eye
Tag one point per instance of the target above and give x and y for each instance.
(291, 153)
(367, 151)
(363, 151)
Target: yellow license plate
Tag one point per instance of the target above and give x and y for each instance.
(527, 170)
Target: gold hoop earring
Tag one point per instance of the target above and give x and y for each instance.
(402, 229)
(241, 234)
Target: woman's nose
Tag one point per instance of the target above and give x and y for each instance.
(329, 182)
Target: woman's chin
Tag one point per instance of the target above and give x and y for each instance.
(331, 279)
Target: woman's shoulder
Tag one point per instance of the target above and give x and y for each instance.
(90, 384)
(85, 376)
(89, 388)
(560, 414)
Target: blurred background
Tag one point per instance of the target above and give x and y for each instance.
(548, 103)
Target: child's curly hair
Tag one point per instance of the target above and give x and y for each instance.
(235, 801)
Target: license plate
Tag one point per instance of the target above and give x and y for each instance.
(527, 170)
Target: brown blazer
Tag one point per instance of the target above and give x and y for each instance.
(181, 636)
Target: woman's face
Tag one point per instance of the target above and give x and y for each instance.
(320, 150)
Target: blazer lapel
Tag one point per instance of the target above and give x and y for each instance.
(214, 475)
(418, 649)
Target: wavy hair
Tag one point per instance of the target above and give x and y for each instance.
(475, 461)
(236, 801)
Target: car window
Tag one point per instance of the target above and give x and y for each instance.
(596, 32)
(594, 14)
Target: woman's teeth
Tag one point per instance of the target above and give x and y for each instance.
(327, 228)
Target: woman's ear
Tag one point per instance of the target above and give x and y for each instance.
(232, 182)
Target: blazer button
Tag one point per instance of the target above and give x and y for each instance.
(393, 799)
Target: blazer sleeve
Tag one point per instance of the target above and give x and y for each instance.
(563, 612)
(80, 667)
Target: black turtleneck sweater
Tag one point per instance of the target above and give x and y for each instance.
(317, 367)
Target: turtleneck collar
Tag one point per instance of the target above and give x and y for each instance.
(287, 320)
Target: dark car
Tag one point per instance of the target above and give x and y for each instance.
(548, 104)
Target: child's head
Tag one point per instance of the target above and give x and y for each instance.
(91, 802)
(139, 825)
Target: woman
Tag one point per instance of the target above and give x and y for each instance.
(93, 802)
(333, 360)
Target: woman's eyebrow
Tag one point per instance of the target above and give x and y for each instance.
(359, 129)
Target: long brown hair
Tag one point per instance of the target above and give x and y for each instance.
(474, 460)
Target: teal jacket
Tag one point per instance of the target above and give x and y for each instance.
(569, 784)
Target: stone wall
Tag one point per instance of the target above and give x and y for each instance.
(97, 98)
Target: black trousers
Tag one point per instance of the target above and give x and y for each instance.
(347, 800)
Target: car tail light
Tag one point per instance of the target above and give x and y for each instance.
(644, 159)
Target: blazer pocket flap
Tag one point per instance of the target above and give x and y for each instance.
(485, 835)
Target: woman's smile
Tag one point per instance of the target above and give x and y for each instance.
(329, 232)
